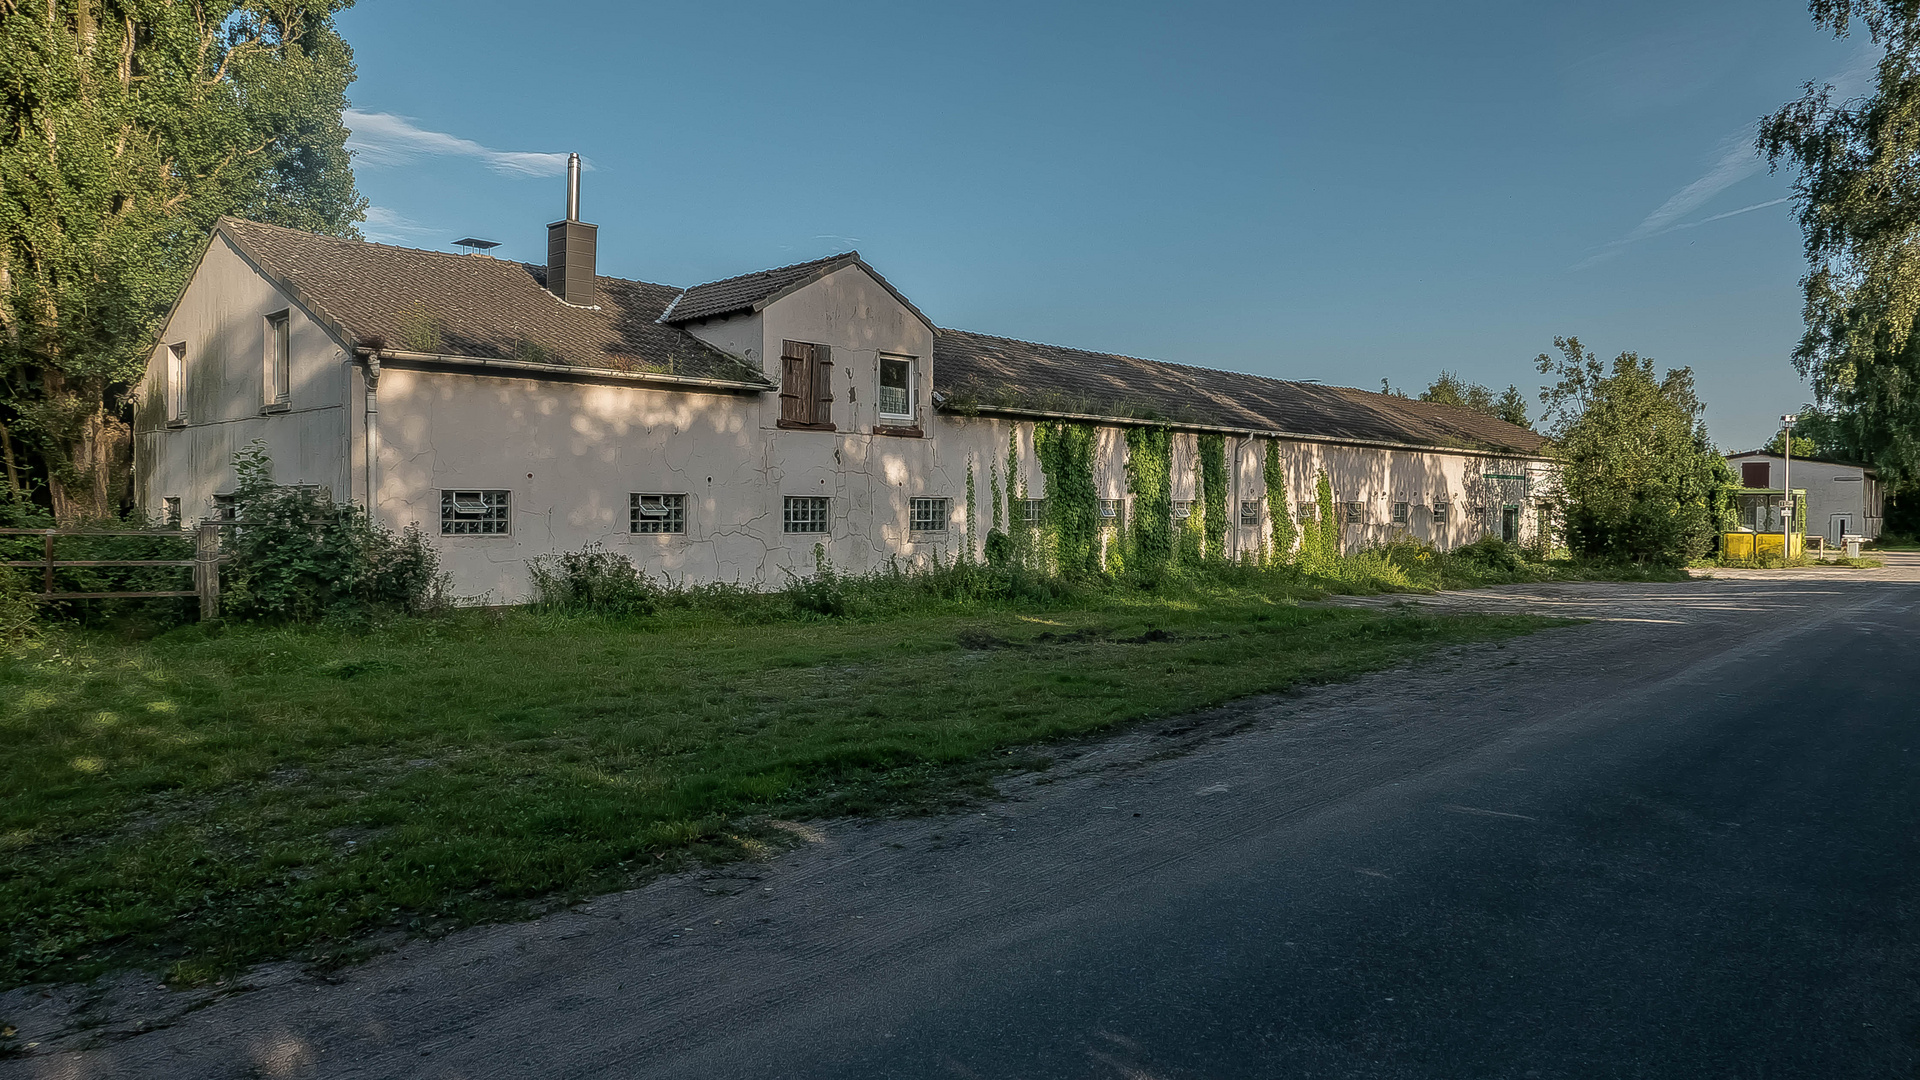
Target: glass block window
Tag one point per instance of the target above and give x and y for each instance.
(473, 513)
(1249, 514)
(1402, 514)
(656, 513)
(1033, 510)
(805, 514)
(927, 515)
(1182, 509)
(896, 388)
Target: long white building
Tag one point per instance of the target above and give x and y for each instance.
(720, 432)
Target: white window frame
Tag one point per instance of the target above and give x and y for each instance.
(1249, 513)
(913, 389)
(1439, 512)
(1402, 515)
(279, 358)
(481, 507)
(1033, 511)
(930, 503)
(176, 389)
(669, 509)
(1182, 509)
(821, 503)
(1113, 513)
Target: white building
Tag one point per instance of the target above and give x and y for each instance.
(720, 432)
(1842, 499)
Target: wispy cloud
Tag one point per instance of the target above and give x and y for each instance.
(395, 228)
(1734, 160)
(385, 139)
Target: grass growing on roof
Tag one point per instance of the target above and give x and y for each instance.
(201, 801)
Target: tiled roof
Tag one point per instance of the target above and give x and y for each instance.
(466, 305)
(995, 373)
(729, 295)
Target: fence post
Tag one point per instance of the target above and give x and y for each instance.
(49, 550)
(206, 569)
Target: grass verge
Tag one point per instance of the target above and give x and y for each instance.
(205, 800)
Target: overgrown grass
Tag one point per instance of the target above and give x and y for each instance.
(207, 799)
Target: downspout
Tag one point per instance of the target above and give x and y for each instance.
(372, 424)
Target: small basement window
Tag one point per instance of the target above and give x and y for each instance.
(1032, 511)
(896, 388)
(1249, 514)
(224, 508)
(1402, 513)
(1112, 511)
(805, 514)
(656, 513)
(1182, 509)
(1439, 515)
(473, 513)
(1352, 512)
(170, 507)
(927, 515)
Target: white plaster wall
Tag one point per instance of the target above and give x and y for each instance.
(221, 318)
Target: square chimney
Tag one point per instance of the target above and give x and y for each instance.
(570, 248)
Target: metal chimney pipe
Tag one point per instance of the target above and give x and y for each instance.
(573, 187)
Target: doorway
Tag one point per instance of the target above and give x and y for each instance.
(1510, 524)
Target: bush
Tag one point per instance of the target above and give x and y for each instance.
(592, 580)
(19, 611)
(1489, 555)
(301, 556)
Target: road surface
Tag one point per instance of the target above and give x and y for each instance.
(1682, 839)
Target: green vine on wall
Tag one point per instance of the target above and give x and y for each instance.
(1212, 500)
(967, 555)
(1284, 531)
(1072, 515)
(1150, 480)
(1320, 543)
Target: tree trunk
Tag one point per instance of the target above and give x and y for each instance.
(90, 453)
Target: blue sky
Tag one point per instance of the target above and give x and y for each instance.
(1334, 192)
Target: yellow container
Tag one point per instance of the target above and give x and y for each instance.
(1752, 547)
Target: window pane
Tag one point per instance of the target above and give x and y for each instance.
(657, 513)
(1249, 514)
(805, 514)
(927, 515)
(473, 513)
(896, 387)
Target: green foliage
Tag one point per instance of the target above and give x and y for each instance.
(973, 513)
(1320, 539)
(1451, 389)
(1274, 472)
(993, 493)
(591, 581)
(164, 116)
(19, 611)
(300, 556)
(1857, 175)
(1639, 480)
(1803, 447)
(1072, 519)
(1150, 481)
(1213, 496)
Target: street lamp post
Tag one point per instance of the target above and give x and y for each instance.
(1786, 504)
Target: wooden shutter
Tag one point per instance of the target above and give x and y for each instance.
(796, 383)
(822, 384)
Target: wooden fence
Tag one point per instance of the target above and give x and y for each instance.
(205, 563)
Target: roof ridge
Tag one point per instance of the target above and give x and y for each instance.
(772, 270)
(1149, 360)
(249, 222)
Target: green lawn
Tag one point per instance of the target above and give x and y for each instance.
(201, 801)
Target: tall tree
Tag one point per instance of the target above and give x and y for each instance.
(1857, 194)
(1451, 389)
(130, 125)
(1639, 479)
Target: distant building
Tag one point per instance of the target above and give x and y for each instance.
(1843, 499)
(720, 432)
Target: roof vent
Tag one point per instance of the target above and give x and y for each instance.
(570, 247)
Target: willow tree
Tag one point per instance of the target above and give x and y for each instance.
(130, 125)
(1857, 195)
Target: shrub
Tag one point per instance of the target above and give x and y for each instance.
(19, 611)
(593, 580)
(301, 556)
(1491, 554)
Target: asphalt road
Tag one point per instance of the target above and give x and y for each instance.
(1680, 840)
